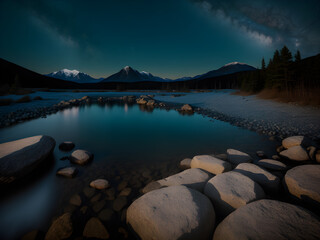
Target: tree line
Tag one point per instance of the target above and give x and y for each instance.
(284, 73)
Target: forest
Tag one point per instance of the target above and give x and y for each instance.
(285, 74)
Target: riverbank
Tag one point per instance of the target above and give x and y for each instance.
(263, 116)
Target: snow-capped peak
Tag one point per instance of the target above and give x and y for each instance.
(68, 72)
(126, 68)
(234, 63)
(145, 73)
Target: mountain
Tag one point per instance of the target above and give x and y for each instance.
(227, 69)
(128, 75)
(14, 75)
(74, 76)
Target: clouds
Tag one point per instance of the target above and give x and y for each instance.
(271, 23)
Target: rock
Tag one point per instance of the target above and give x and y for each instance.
(175, 212)
(186, 108)
(269, 219)
(75, 200)
(260, 154)
(64, 158)
(95, 229)
(236, 157)
(97, 206)
(272, 164)
(150, 103)
(19, 158)
(232, 190)
(33, 235)
(61, 228)
(125, 192)
(88, 192)
(110, 194)
(193, 178)
(292, 141)
(265, 179)
(312, 152)
(123, 232)
(106, 214)
(68, 172)
(119, 203)
(81, 157)
(275, 157)
(280, 149)
(122, 185)
(141, 101)
(66, 146)
(210, 164)
(99, 184)
(303, 182)
(96, 198)
(84, 209)
(221, 156)
(296, 153)
(318, 156)
(185, 163)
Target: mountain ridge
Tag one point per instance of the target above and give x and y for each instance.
(74, 76)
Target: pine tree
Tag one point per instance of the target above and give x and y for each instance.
(297, 56)
(285, 60)
(263, 65)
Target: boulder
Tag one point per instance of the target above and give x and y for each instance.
(141, 101)
(185, 163)
(186, 108)
(303, 182)
(232, 190)
(210, 164)
(21, 157)
(193, 178)
(295, 153)
(61, 228)
(95, 229)
(267, 180)
(269, 219)
(99, 184)
(236, 157)
(68, 172)
(175, 212)
(81, 157)
(66, 146)
(292, 141)
(272, 164)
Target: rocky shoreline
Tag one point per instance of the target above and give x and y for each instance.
(148, 103)
(208, 199)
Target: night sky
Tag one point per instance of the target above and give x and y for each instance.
(169, 38)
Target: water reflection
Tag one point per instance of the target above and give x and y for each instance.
(71, 113)
(146, 108)
(116, 134)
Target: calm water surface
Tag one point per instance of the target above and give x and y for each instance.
(123, 139)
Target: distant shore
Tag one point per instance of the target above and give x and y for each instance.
(263, 116)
